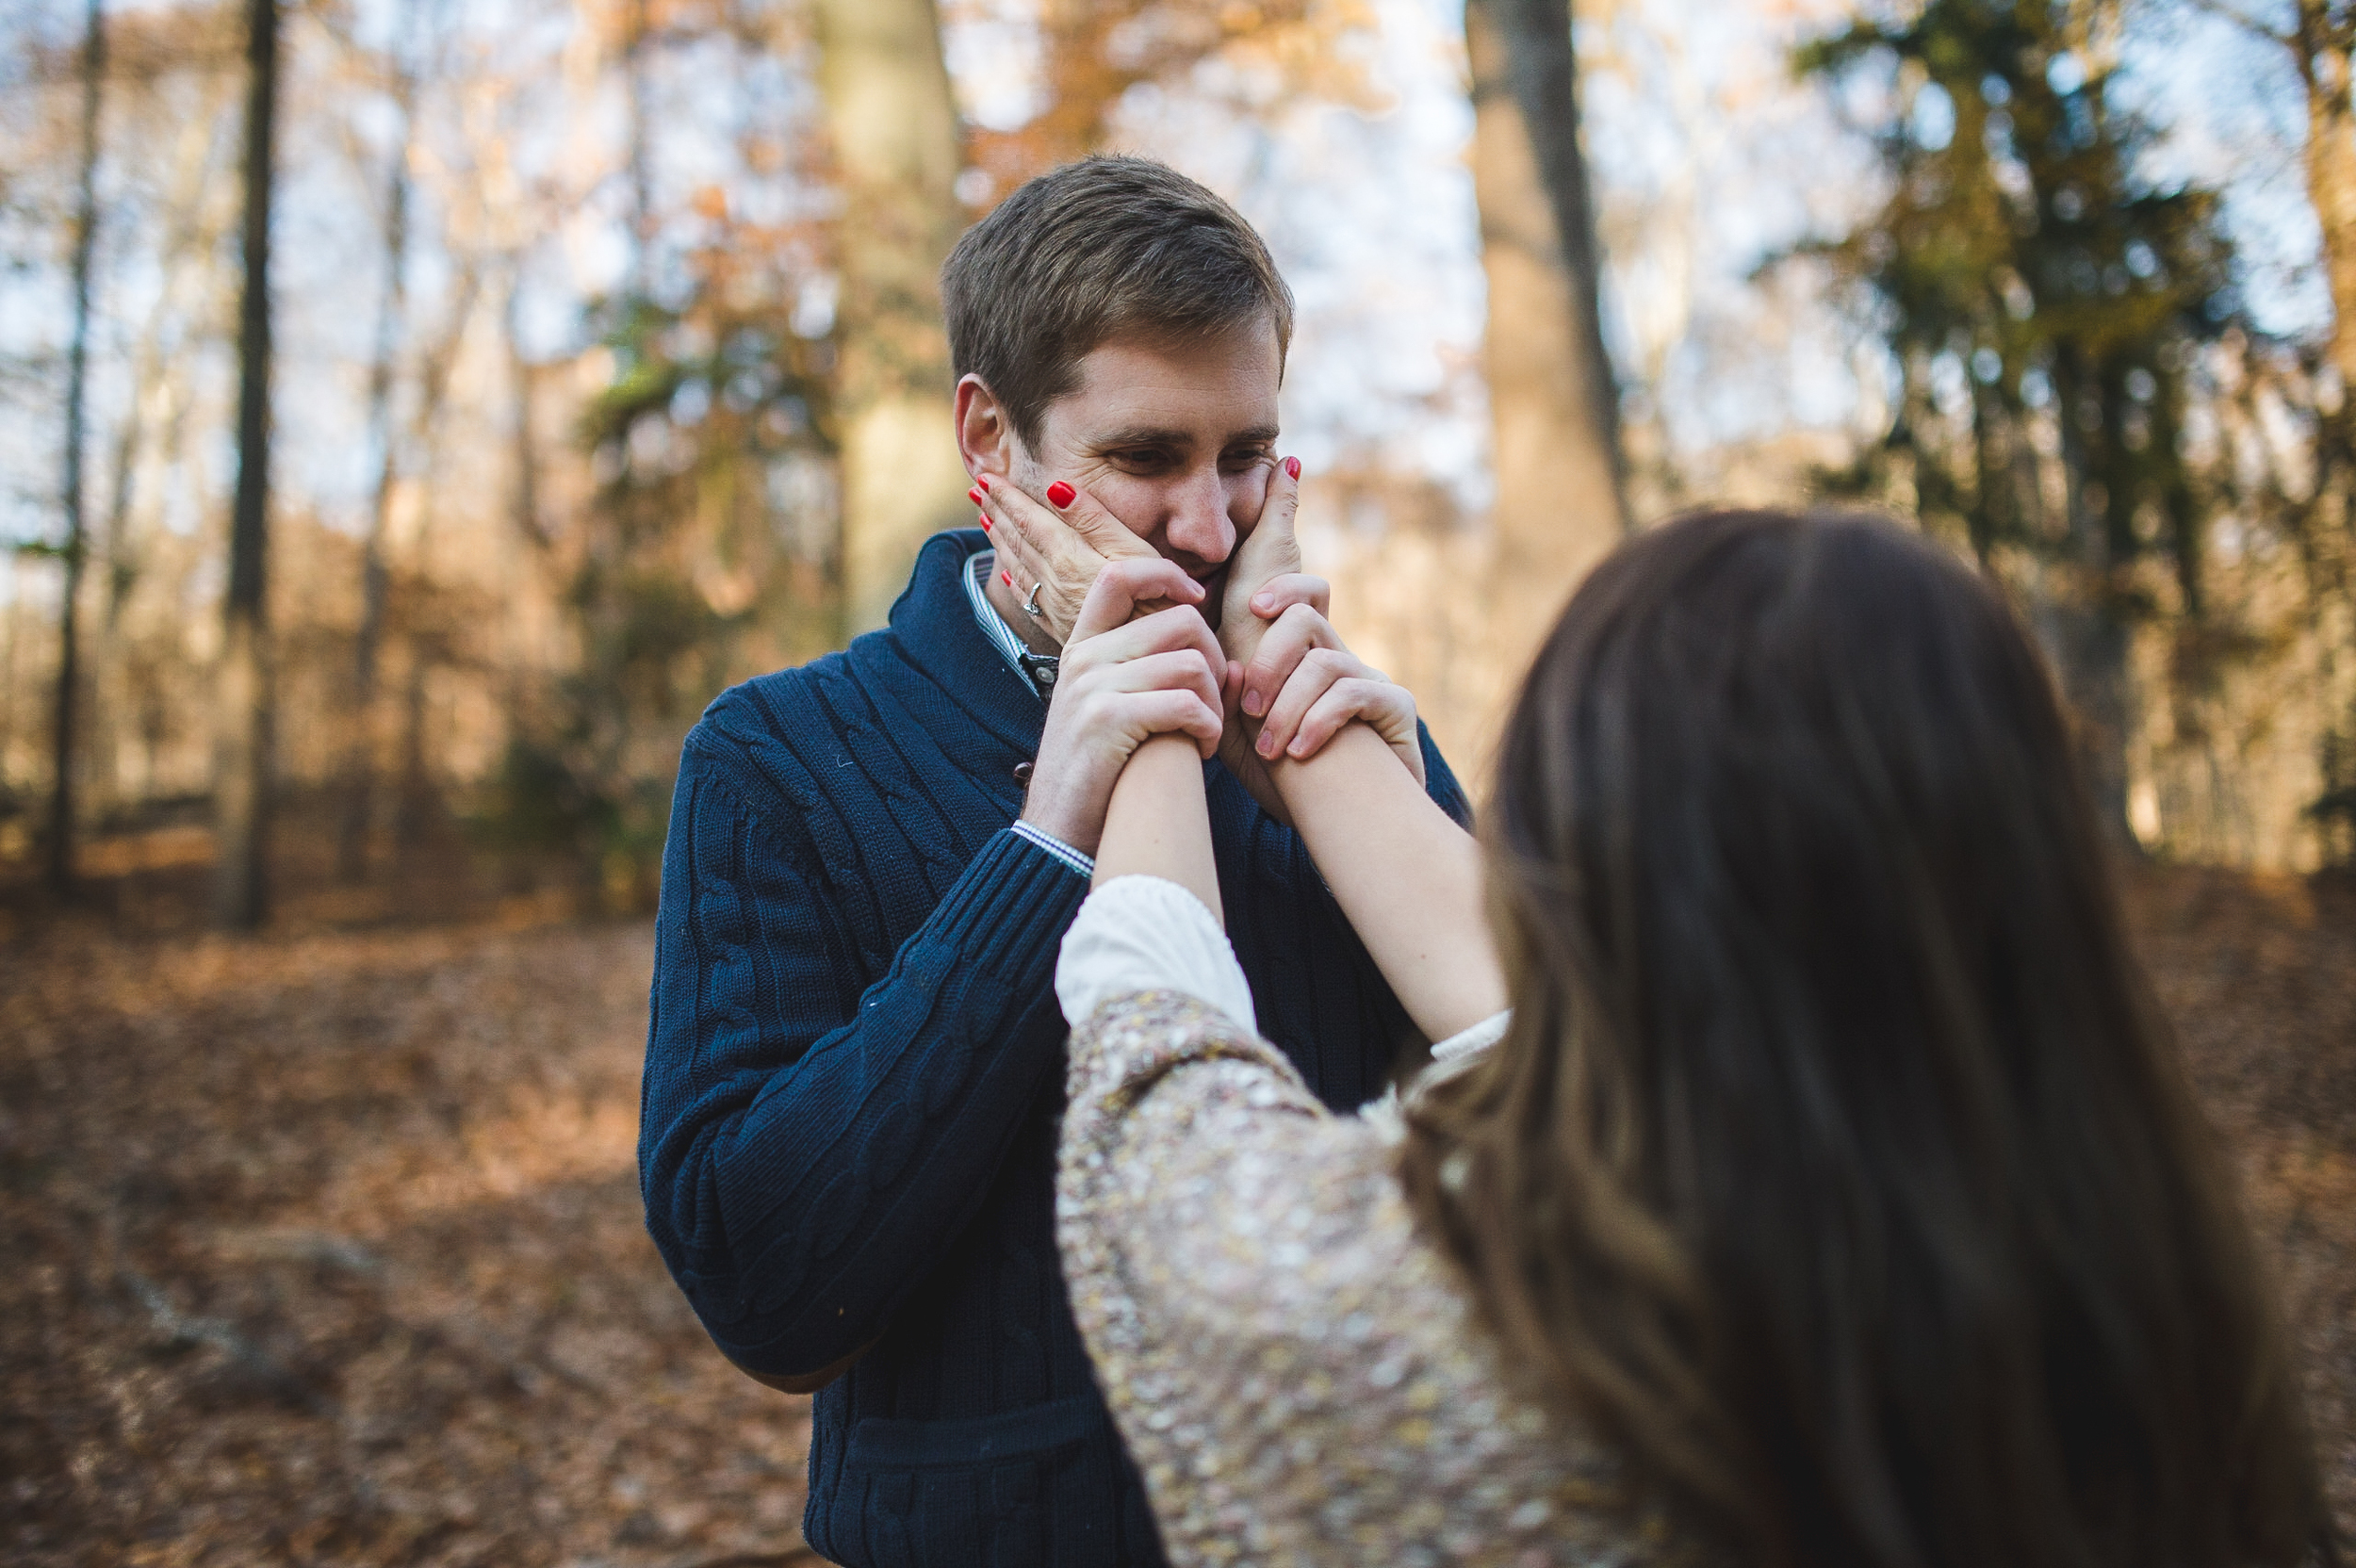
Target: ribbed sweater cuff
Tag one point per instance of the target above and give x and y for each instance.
(1008, 912)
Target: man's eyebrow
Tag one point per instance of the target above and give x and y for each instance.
(1146, 436)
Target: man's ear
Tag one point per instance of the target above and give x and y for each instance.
(984, 436)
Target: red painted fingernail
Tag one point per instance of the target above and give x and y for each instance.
(1292, 467)
(1006, 578)
(974, 496)
(984, 522)
(1059, 493)
(983, 480)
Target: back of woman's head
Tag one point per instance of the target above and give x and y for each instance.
(1836, 1165)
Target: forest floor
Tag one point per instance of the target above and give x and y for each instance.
(327, 1247)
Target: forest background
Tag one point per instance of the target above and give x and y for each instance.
(602, 367)
(413, 411)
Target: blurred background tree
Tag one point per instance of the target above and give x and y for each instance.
(607, 369)
(246, 716)
(2065, 325)
(2049, 310)
(897, 155)
(696, 559)
(1554, 397)
(75, 551)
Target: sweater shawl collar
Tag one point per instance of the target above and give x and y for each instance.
(933, 628)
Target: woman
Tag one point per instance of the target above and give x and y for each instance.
(1833, 1196)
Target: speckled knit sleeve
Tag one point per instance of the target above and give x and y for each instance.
(1294, 1372)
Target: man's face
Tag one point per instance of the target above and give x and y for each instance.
(1175, 441)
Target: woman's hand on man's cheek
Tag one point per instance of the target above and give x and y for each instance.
(1269, 552)
(1058, 545)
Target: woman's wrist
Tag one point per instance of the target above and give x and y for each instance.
(1158, 824)
(1407, 876)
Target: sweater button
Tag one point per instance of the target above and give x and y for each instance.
(1022, 773)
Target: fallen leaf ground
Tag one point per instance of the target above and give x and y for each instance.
(329, 1250)
(325, 1248)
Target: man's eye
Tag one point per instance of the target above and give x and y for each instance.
(1140, 459)
(1238, 462)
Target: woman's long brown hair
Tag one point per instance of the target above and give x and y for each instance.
(1838, 1165)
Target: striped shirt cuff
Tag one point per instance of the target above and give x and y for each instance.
(1084, 864)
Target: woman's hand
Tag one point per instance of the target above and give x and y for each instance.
(1300, 683)
(1302, 686)
(1122, 680)
(1268, 556)
(1059, 549)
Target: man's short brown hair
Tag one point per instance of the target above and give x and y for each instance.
(1106, 247)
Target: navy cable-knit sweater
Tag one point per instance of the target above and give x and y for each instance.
(853, 1078)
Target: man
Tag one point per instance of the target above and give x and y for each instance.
(853, 1064)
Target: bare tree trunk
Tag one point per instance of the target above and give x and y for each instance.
(1554, 400)
(122, 571)
(641, 162)
(12, 607)
(2090, 638)
(897, 151)
(190, 234)
(242, 784)
(416, 804)
(2322, 44)
(427, 645)
(76, 385)
(352, 835)
(2323, 40)
(522, 380)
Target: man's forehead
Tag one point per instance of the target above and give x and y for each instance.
(1165, 435)
(1148, 393)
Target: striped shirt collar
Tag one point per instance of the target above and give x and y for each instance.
(1037, 670)
(1024, 662)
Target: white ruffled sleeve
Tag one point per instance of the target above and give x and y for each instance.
(1469, 1042)
(1450, 1056)
(1143, 934)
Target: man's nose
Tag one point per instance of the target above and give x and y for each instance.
(1199, 524)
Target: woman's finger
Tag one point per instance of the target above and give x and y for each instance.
(1279, 513)
(1015, 553)
(1281, 593)
(1297, 632)
(1015, 518)
(1283, 494)
(1069, 532)
(1387, 708)
(1022, 569)
(1269, 551)
(1342, 703)
(1319, 669)
(1092, 523)
(1028, 543)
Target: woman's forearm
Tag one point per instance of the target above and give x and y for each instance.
(1157, 825)
(1407, 876)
